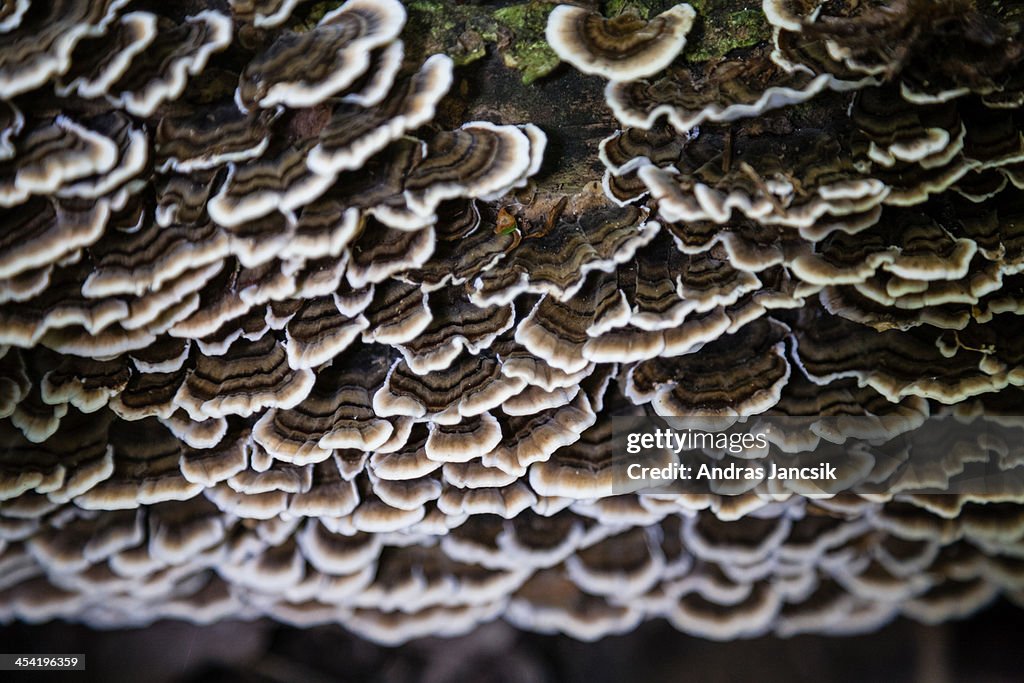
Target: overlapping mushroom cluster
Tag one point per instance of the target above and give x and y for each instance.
(861, 256)
(893, 213)
(275, 345)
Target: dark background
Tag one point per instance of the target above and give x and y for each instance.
(986, 648)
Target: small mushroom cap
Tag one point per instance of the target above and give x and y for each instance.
(354, 132)
(472, 385)
(94, 69)
(480, 159)
(38, 45)
(250, 377)
(557, 262)
(302, 70)
(220, 134)
(178, 52)
(720, 91)
(455, 324)
(623, 48)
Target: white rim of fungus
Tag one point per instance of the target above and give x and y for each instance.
(382, 78)
(496, 182)
(356, 54)
(7, 148)
(437, 73)
(44, 66)
(132, 164)
(772, 98)
(100, 85)
(278, 17)
(13, 20)
(69, 166)
(172, 83)
(560, 33)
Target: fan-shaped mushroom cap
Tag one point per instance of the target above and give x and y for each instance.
(218, 135)
(85, 384)
(581, 470)
(53, 155)
(176, 52)
(533, 438)
(455, 324)
(758, 188)
(356, 132)
(623, 48)
(208, 464)
(479, 159)
(65, 463)
(853, 42)
(319, 332)
(471, 385)
(336, 413)
(595, 240)
(146, 471)
(408, 461)
(251, 376)
(725, 90)
(922, 371)
(278, 179)
(39, 44)
(397, 313)
(94, 70)
(383, 252)
(303, 69)
(724, 393)
(149, 256)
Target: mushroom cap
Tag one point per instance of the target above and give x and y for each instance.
(719, 91)
(354, 132)
(39, 45)
(303, 69)
(623, 48)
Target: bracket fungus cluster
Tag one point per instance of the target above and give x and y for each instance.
(282, 335)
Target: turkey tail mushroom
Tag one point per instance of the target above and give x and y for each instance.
(300, 322)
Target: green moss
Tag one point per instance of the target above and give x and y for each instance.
(535, 60)
(528, 17)
(466, 32)
(528, 51)
(722, 28)
(471, 47)
(425, 6)
(442, 16)
(444, 27)
(614, 8)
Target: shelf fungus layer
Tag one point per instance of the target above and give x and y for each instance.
(301, 320)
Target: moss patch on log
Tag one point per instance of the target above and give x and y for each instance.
(528, 52)
(466, 32)
(723, 27)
